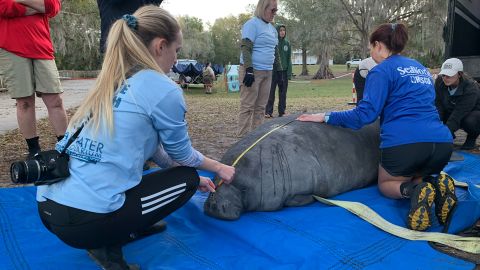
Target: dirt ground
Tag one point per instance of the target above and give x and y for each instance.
(212, 125)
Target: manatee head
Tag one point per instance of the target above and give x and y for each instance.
(225, 203)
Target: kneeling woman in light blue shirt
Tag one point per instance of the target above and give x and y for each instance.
(133, 113)
(415, 144)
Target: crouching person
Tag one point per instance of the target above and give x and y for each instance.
(134, 112)
(458, 101)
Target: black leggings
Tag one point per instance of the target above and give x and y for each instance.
(159, 194)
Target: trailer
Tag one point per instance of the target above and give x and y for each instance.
(187, 71)
(462, 34)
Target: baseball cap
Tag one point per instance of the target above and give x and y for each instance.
(451, 67)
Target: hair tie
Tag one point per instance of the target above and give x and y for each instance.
(394, 25)
(131, 21)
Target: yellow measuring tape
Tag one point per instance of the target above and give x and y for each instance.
(251, 146)
(257, 141)
(467, 244)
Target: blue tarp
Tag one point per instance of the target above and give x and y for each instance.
(194, 70)
(315, 236)
(190, 70)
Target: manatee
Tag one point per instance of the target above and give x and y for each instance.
(294, 161)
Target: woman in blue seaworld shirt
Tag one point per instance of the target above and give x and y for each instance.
(415, 145)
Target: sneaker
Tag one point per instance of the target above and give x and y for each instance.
(421, 201)
(445, 200)
(469, 143)
(267, 115)
(111, 258)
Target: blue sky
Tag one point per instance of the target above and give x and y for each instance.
(207, 10)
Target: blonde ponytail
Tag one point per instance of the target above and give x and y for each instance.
(127, 48)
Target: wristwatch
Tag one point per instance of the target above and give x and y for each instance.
(327, 116)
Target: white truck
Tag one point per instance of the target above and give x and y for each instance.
(353, 62)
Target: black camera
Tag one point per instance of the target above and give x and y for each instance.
(44, 168)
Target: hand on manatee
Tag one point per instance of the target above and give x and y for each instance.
(317, 117)
(226, 173)
(206, 185)
(249, 77)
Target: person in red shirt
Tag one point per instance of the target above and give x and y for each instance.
(27, 64)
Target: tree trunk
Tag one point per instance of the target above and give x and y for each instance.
(304, 62)
(324, 71)
(364, 43)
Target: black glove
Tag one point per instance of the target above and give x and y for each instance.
(249, 77)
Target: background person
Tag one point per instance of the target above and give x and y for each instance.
(259, 38)
(112, 10)
(27, 64)
(360, 76)
(414, 143)
(281, 75)
(133, 112)
(208, 76)
(458, 101)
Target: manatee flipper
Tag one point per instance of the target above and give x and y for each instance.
(299, 200)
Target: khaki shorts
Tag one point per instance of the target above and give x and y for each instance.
(23, 76)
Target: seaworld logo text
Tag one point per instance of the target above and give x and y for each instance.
(86, 150)
(417, 75)
(408, 71)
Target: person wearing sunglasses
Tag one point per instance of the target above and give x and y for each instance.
(257, 61)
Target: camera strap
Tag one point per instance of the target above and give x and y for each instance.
(73, 138)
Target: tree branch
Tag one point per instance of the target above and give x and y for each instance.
(351, 15)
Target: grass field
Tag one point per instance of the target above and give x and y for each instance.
(297, 69)
(297, 88)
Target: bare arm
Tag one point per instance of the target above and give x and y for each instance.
(223, 171)
(37, 5)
